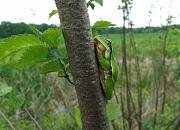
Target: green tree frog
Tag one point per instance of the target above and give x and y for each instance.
(108, 69)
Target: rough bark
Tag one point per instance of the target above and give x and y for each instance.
(80, 47)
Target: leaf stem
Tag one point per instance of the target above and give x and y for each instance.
(66, 75)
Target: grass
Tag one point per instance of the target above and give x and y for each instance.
(143, 42)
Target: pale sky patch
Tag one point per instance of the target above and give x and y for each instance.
(36, 11)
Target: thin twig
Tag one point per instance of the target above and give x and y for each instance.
(139, 79)
(164, 56)
(8, 121)
(32, 118)
(128, 91)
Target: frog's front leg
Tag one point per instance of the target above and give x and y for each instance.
(104, 63)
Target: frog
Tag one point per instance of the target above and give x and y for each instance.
(107, 66)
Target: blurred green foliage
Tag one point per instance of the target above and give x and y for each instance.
(51, 101)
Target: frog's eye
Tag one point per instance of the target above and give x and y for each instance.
(109, 42)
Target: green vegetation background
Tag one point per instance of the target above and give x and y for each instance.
(51, 100)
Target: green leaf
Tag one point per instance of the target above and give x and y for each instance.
(99, 2)
(6, 71)
(51, 66)
(14, 101)
(54, 52)
(53, 12)
(33, 55)
(78, 117)
(66, 65)
(15, 43)
(36, 32)
(20, 100)
(52, 37)
(4, 89)
(91, 5)
(102, 24)
(13, 58)
(113, 111)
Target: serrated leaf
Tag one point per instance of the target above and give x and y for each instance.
(51, 66)
(20, 101)
(13, 58)
(66, 65)
(36, 32)
(113, 111)
(33, 55)
(17, 42)
(15, 101)
(52, 37)
(54, 52)
(53, 12)
(99, 2)
(91, 5)
(4, 89)
(102, 24)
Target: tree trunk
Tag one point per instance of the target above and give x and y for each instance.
(80, 47)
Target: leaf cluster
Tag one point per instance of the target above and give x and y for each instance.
(46, 49)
